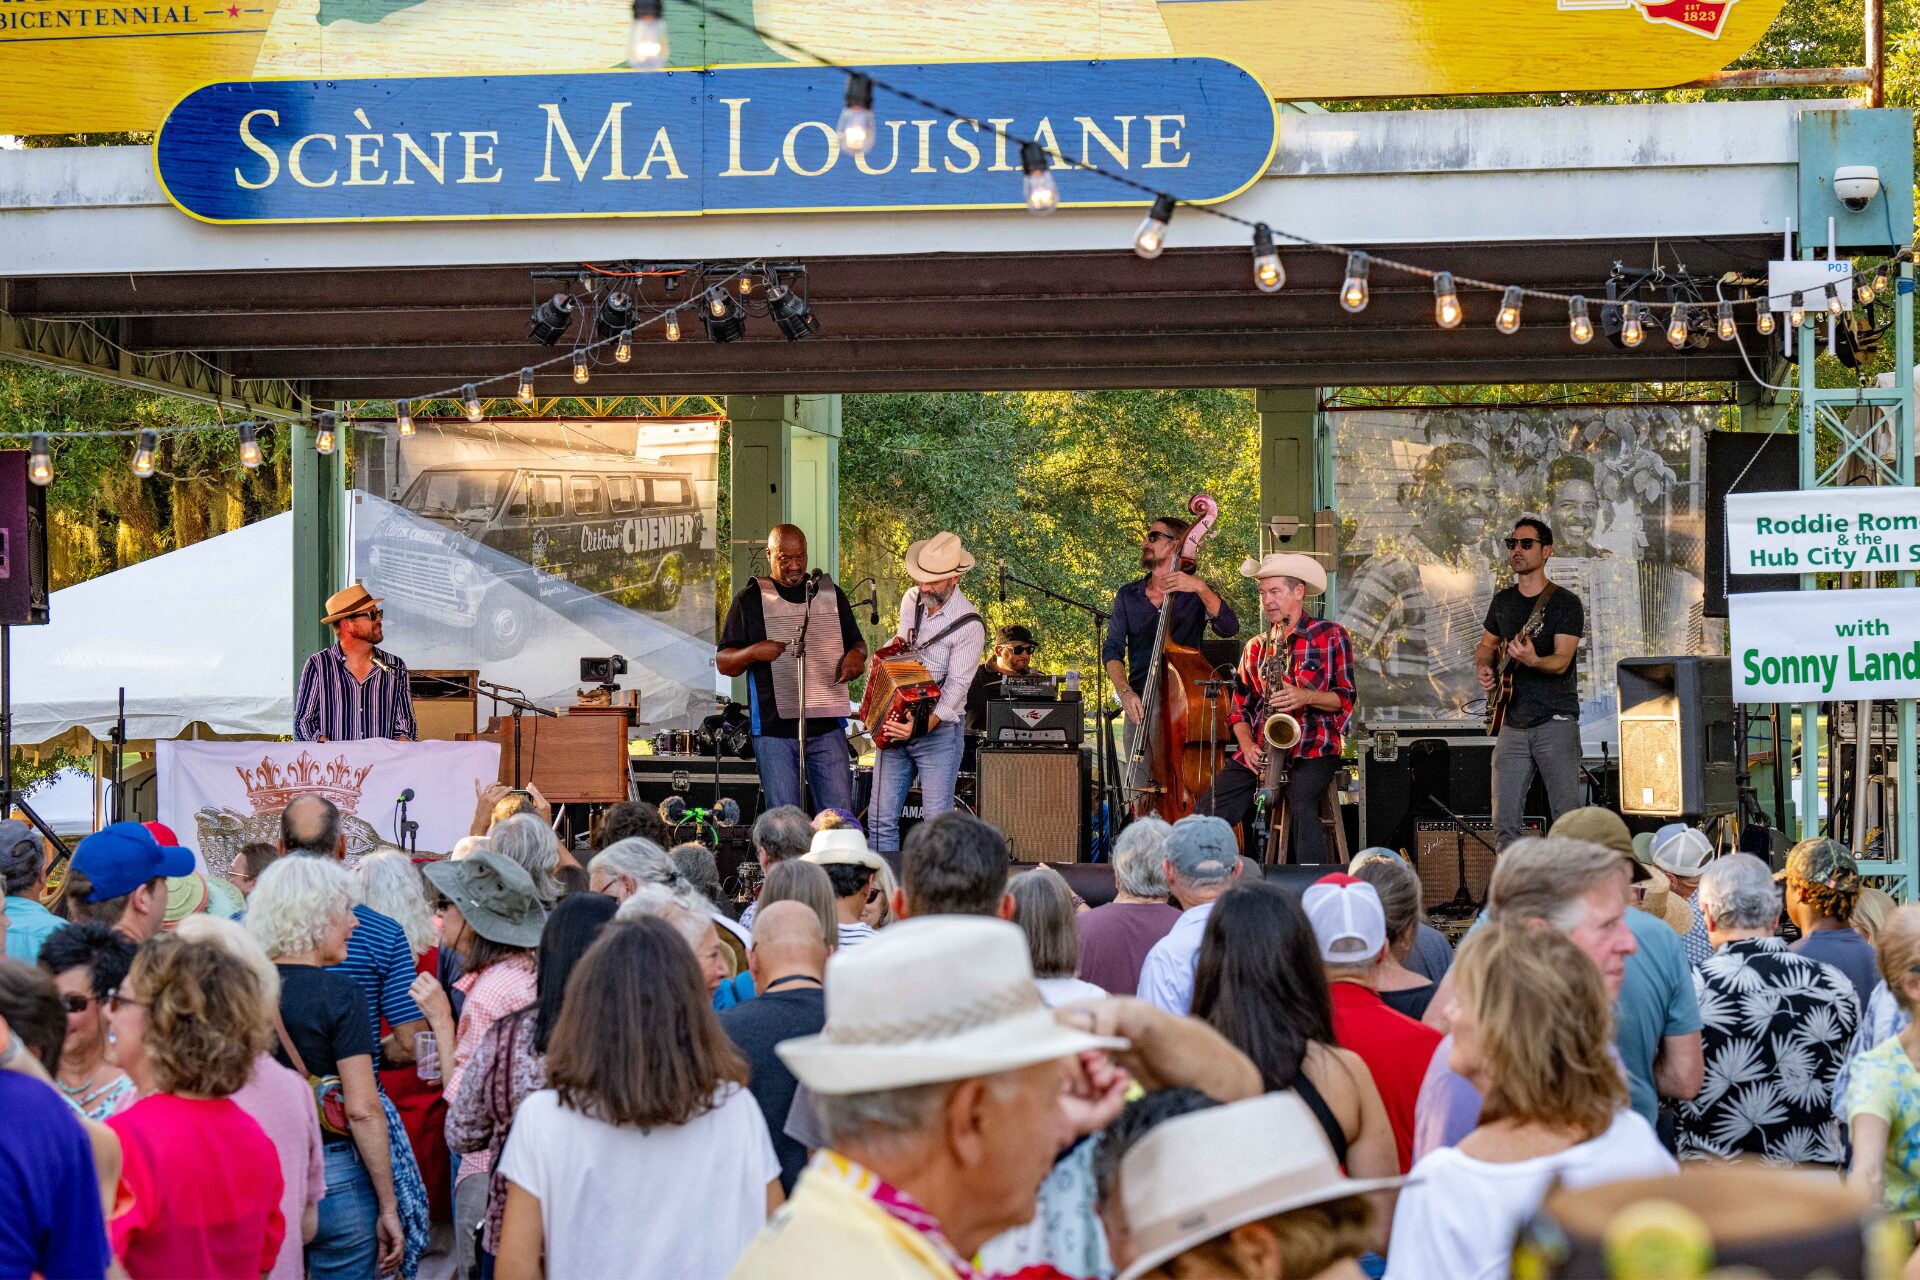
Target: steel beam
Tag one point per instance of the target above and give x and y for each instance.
(89, 349)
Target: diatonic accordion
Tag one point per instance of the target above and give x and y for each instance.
(897, 689)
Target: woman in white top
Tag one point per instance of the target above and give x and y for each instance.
(1532, 1031)
(646, 1155)
(1043, 908)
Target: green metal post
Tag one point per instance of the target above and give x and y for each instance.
(1290, 465)
(1906, 850)
(319, 560)
(1809, 822)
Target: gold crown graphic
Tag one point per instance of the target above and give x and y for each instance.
(272, 785)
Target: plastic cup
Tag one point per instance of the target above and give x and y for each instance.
(426, 1056)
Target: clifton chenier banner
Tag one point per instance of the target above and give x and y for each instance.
(1796, 646)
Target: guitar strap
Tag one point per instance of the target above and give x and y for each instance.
(1532, 624)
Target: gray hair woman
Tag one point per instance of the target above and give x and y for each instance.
(1398, 885)
(1115, 937)
(1043, 908)
(625, 865)
(525, 839)
(393, 886)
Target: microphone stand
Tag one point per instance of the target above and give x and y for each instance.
(1110, 792)
(515, 698)
(800, 654)
(119, 740)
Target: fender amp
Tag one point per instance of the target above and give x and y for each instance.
(1036, 798)
(1033, 724)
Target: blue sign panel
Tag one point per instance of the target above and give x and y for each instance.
(722, 140)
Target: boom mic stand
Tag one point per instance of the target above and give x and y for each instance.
(1462, 901)
(119, 739)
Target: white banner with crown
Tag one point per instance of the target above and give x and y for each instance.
(218, 796)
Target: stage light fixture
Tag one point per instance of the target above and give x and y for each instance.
(525, 393)
(1508, 319)
(1353, 290)
(1446, 303)
(1579, 323)
(1151, 237)
(614, 317)
(1038, 188)
(40, 460)
(471, 396)
(580, 372)
(673, 325)
(1677, 325)
(403, 417)
(1723, 321)
(143, 452)
(791, 313)
(647, 37)
(856, 118)
(551, 319)
(1632, 331)
(724, 319)
(1797, 313)
(325, 438)
(249, 447)
(1269, 276)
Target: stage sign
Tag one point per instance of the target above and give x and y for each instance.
(219, 796)
(1804, 646)
(77, 66)
(734, 140)
(1858, 529)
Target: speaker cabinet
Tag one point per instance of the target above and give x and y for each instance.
(445, 703)
(23, 544)
(1036, 798)
(1743, 462)
(1443, 854)
(1676, 736)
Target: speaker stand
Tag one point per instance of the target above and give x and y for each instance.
(9, 801)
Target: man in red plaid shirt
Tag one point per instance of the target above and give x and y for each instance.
(1318, 693)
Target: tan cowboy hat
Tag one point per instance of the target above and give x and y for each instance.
(347, 602)
(940, 556)
(930, 1000)
(1290, 564)
(1196, 1177)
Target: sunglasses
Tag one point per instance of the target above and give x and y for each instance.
(374, 614)
(1021, 648)
(115, 1001)
(1155, 535)
(73, 1003)
(1528, 543)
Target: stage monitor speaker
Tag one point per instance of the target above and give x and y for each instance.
(1035, 798)
(23, 544)
(1676, 736)
(1441, 849)
(1743, 462)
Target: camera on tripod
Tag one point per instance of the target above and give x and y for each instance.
(601, 671)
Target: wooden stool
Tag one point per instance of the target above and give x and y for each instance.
(1329, 819)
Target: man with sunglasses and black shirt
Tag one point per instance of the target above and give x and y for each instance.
(1541, 728)
(1013, 650)
(351, 689)
(1136, 614)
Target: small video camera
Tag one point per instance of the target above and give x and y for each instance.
(602, 670)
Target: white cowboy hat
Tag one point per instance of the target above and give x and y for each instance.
(930, 1000)
(1196, 1177)
(940, 556)
(1290, 564)
(842, 846)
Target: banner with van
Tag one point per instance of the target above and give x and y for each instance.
(520, 546)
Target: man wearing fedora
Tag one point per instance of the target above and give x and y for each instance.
(1317, 691)
(944, 633)
(351, 689)
(843, 854)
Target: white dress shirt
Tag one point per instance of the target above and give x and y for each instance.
(1166, 976)
(952, 660)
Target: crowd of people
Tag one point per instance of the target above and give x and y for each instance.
(536, 1065)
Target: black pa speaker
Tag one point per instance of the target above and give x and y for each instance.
(23, 544)
(1744, 462)
(1676, 736)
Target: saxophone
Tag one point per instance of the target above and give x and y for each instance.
(1279, 732)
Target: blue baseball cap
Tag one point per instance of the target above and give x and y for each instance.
(119, 858)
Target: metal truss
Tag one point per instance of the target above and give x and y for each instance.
(91, 347)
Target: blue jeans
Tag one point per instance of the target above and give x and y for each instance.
(829, 771)
(347, 1246)
(935, 758)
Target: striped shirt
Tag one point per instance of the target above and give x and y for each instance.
(952, 659)
(332, 705)
(379, 959)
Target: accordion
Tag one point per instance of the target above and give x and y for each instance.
(897, 689)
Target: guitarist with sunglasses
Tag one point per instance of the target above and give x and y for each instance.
(1525, 663)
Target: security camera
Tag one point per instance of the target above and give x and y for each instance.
(1856, 185)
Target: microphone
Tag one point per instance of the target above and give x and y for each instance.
(406, 797)
(1003, 579)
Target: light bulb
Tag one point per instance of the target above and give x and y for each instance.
(1353, 290)
(1042, 193)
(1763, 320)
(1631, 331)
(718, 304)
(746, 285)
(1508, 320)
(1723, 323)
(249, 447)
(1151, 238)
(1677, 326)
(856, 120)
(1446, 303)
(1268, 274)
(647, 38)
(1862, 289)
(323, 439)
(143, 453)
(403, 417)
(1833, 301)
(623, 349)
(471, 395)
(673, 325)
(525, 393)
(40, 460)
(580, 373)
(1879, 282)
(1579, 324)
(1797, 313)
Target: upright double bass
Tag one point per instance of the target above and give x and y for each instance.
(1172, 761)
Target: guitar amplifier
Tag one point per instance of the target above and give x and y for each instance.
(1036, 798)
(1437, 858)
(1034, 724)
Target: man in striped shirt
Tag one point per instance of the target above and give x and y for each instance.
(352, 690)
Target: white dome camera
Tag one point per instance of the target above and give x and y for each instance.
(1856, 185)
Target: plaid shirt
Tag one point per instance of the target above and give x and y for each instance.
(492, 994)
(1322, 662)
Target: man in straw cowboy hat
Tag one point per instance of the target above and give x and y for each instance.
(1315, 658)
(351, 689)
(944, 633)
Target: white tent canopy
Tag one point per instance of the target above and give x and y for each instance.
(200, 634)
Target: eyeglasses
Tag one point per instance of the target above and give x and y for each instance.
(1528, 543)
(441, 904)
(73, 1002)
(115, 1000)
